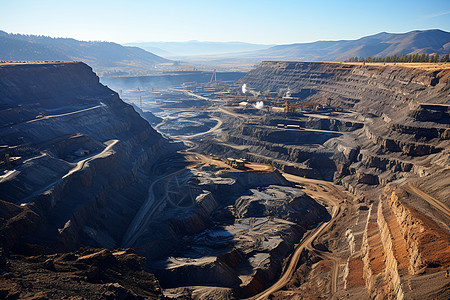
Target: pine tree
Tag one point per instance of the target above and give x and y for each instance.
(424, 57)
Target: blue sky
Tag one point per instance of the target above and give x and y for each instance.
(262, 21)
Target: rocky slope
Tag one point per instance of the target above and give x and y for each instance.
(382, 126)
(78, 157)
(88, 273)
(80, 167)
(369, 88)
(402, 114)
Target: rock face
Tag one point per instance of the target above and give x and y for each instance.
(370, 127)
(75, 155)
(396, 135)
(373, 89)
(401, 245)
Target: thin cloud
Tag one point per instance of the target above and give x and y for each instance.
(436, 15)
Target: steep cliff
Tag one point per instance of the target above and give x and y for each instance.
(74, 154)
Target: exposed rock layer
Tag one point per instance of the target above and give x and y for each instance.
(83, 154)
(374, 89)
(391, 126)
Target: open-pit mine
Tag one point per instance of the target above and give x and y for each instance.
(296, 180)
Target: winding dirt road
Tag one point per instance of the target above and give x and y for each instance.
(105, 152)
(79, 166)
(327, 192)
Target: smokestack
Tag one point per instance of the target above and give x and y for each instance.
(259, 105)
(244, 88)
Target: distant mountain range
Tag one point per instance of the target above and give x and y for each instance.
(111, 59)
(378, 45)
(102, 56)
(195, 48)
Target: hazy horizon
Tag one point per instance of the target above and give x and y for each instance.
(211, 41)
(255, 22)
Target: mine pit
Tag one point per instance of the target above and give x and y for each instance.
(229, 128)
(304, 183)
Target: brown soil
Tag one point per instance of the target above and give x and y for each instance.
(355, 275)
(434, 243)
(86, 274)
(376, 253)
(323, 266)
(398, 242)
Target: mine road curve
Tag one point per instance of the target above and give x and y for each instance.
(334, 271)
(213, 129)
(310, 237)
(315, 194)
(79, 166)
(432, 201)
